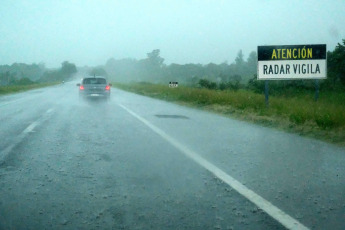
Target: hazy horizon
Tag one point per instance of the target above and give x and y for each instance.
(88, 33)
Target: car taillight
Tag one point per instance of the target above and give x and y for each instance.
(81, 87)
(107, 87)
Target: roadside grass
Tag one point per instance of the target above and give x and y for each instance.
(299, 113)
(19, 88)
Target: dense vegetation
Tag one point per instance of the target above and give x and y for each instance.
(19, 76)
(153, 69)
(221, 88)
(65, 72)
(24, 74)
(323, 119)
(240, 74)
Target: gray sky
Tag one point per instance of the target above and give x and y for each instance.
(89, 32)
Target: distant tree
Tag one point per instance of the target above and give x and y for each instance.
(68, 69)
(98, 71)
(123, 70)
(336, 64)
(204, 83)
(21, 70)
(24, 81)
(7, 78)
(239, 59)
(110, 62)
(154, 58)
(213, 71)
(239, 66)
(42, 65)
(252, 63)
(151, 67)
(65, 72)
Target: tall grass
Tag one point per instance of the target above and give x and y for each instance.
(19, 88)
(328, 113)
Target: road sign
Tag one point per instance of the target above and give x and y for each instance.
(173, 84)
(292, 62)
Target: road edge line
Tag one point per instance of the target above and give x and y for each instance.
(273, 211)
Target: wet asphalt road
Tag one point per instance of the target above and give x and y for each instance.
(67, 164)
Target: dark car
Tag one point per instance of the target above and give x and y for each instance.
(94, 87)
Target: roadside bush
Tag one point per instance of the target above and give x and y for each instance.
(282, 87)
(233, 85)
(297, 118)
(24, 81)
(207, 84)
(325, 121)
(222, 86)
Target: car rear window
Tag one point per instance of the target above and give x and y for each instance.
(88, 81)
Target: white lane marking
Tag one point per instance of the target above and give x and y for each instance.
(22, 135)
(269, 208)
(31, 127)
(49, 110)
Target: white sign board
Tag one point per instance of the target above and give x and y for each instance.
(292, 62)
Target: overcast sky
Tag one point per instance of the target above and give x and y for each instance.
(89, 32)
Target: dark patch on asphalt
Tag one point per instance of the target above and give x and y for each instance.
(105, 157)
(171, 116)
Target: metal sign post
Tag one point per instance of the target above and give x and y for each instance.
(316, 97)
(266, 94)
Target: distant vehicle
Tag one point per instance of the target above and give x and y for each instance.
(94, 87)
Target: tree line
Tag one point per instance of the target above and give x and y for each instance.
(153, 69)
(239, 74)
(24, 74)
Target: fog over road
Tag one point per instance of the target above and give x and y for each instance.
(140, 163)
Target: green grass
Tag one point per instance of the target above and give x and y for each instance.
(19, 88)
(324, 119)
